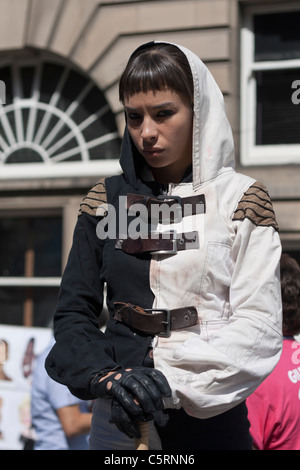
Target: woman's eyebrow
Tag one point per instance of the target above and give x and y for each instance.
(163, 105)
(157, 106)
(128, 108)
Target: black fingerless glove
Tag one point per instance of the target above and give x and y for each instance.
(138, 390)
(124, 421)
(127, 423)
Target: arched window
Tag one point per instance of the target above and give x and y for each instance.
(55, 122)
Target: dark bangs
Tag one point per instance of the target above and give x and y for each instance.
(159, 67)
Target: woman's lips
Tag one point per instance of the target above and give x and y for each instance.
(153, 152)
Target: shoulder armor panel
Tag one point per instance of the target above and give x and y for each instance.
(256, 206)
(95, 198)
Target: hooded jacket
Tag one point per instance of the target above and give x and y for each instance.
(231, 277)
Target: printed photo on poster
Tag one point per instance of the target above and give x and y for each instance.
(19, 347)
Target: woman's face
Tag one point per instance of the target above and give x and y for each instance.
(161, 126)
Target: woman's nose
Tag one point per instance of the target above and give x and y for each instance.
(149, 130)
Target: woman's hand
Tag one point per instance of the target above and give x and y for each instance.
(138, 389)
(137, 396)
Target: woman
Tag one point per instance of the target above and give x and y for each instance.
(192, 285)
(273, 408)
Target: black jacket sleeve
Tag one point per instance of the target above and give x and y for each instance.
(81, 349)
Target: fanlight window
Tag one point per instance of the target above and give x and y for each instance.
(53, 115)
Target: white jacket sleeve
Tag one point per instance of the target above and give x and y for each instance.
(210, 375)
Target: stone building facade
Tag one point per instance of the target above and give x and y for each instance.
(61, 121)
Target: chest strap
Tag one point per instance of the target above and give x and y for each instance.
(159, 243)
(155, 321)
(182, 206)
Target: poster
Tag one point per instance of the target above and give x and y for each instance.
(19, 347)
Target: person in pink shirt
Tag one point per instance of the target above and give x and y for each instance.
(274, 408)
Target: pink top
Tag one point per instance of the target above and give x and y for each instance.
(274, 408)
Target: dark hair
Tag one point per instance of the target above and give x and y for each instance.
(155, 67)
(290, 290)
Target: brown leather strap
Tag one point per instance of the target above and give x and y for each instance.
(163, 243)
(159, 322)
(189, 205)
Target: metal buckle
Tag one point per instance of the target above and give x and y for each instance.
(166, 322)
(172, 250)
(178, 215)
(166, 196)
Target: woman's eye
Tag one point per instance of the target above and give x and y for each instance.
(133, 116)
(165, 113)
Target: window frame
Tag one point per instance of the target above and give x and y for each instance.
(250, 153)
(47, 168)
(65, 207)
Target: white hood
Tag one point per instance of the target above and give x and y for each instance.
(213, 147)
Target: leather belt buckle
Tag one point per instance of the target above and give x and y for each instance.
(166, 323)
(173, 240)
